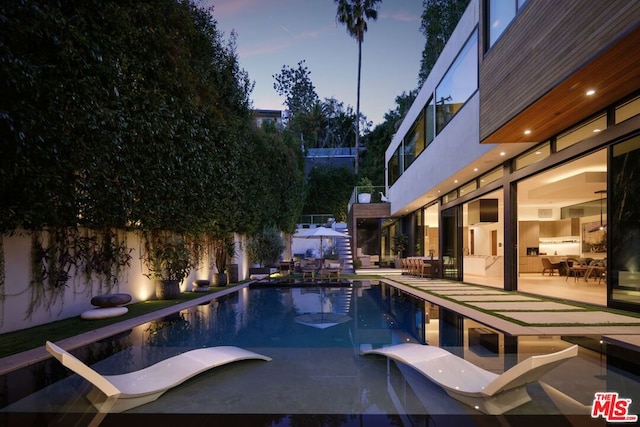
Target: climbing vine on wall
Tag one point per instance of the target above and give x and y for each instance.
(43, 294)
(102, 255)
(58, 252)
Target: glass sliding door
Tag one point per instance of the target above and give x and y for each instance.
(451, 227)
(624, 226)
(483, 237)
(561, 223)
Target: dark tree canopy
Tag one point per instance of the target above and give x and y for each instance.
(294, 84)
(131, 114)
(439, 19)
(329, 190)
(377, 141)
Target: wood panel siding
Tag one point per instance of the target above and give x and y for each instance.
(536, 75)
(371, 210)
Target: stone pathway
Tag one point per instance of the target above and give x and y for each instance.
(519, 314)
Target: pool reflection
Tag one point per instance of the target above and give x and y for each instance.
(319, 370)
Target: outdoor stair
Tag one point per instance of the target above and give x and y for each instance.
(344, 249)
(342, 301)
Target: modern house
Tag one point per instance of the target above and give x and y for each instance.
(277, 117)
(331, 157)
(522, 147)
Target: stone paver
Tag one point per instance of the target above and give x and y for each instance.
(468, 299)
(525, 306)
(469, 292)
(439, 288)
(501, 297)
(583, 317)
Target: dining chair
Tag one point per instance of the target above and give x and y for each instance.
(549, 266)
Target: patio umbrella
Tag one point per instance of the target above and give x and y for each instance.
(322, 320)
(319, 310)
(321, 233)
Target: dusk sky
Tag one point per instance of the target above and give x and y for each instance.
(273, 33)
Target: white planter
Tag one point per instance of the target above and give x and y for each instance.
(364, 198)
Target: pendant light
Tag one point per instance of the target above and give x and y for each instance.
(603, 225)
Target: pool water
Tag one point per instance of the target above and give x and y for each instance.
(317, 375)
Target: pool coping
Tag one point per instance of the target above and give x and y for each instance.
(38, 354)
(628, 336)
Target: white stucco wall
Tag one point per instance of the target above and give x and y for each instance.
(18, 294)
(456, 146)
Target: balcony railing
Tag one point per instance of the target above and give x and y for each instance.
(306, 221)
(376, 195)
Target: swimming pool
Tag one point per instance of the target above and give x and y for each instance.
(314, 335)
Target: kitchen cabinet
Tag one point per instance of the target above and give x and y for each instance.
(530, 264)
(529, 236)
(560, 228)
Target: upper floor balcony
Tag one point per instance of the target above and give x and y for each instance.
(374, 194)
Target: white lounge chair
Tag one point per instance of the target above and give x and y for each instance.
(486, 391)
(117, 393)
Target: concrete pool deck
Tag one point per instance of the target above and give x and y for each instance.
(522, 315)
(497, 309)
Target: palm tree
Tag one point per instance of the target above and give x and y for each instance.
(354, 14)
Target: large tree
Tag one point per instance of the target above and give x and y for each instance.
(327, 124)
(295, 85)
(439, 19)
(317, 124)
(354, 14)
(274, 192)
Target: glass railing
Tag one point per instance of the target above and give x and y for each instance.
(375, 194)
(316, 219)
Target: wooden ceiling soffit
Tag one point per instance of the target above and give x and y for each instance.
(614, 74)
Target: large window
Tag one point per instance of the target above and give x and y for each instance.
(534, 155)
(580, 132)
(491, 176)
(414, 142)
(499, 14)
(419, 137)
(628, 110)
(394, 168)
(430, 115)
(458, 84)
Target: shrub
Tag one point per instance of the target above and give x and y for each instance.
(266, 248)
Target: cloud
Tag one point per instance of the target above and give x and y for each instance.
(400, 16)
(266, 48)
(286, 30)
(278, 44)
(224, 8)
